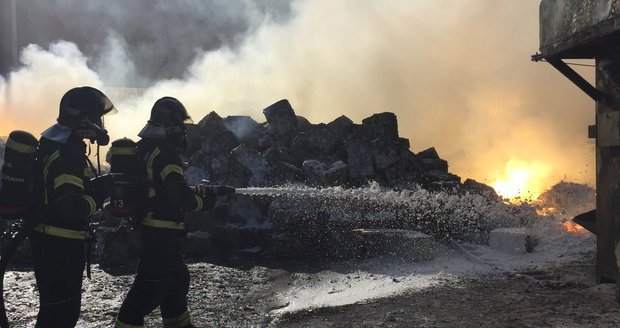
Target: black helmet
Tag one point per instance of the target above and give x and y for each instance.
(82, 103)
(81, 109)
(169, 112)
(168, 119)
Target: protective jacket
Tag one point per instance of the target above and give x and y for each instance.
(162, 279)
(64, 173)
(169, 196)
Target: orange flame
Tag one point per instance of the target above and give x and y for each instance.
(573, 227)
(546, 211)
(522, 180)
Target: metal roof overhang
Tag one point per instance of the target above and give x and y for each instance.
(588, 43)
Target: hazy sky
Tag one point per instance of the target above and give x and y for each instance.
(457, 74)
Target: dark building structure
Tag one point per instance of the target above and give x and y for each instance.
(590, 29)
(8, 36)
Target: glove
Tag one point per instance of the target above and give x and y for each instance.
(208, 198)
(99, 189)
(208, 201)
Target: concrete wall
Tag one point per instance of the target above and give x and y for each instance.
(561, 20)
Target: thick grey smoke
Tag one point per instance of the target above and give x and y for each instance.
(162, 37)
(457, 74)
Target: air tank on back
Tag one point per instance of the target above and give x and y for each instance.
(17, 181)
(127, 190)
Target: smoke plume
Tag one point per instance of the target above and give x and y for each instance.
(458, 75)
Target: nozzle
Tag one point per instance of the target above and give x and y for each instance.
(224, 190)
(217, 190)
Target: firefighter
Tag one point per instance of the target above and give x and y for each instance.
(64, 204)
(162, 278)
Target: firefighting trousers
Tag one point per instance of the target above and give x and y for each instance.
(58, 269)
(162, 280)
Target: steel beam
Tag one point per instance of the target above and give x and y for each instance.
(577, 79)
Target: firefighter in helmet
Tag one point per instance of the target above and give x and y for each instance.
(65, 203)
(162, 278)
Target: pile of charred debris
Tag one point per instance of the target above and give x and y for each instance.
(289, 153)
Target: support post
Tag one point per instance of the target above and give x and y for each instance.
(608, 166)
(8, 36)
(13, 31)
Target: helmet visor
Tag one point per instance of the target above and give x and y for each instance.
(111, 111)
(183, 117)
(108, 106)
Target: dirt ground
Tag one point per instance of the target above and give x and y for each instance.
(563, 296)
(242, 294)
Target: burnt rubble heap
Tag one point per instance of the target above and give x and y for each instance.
(238, 151)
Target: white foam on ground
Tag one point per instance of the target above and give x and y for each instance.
(382, 277)
(361, 281)
(375, 278)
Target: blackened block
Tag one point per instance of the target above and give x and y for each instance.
(281, 118)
